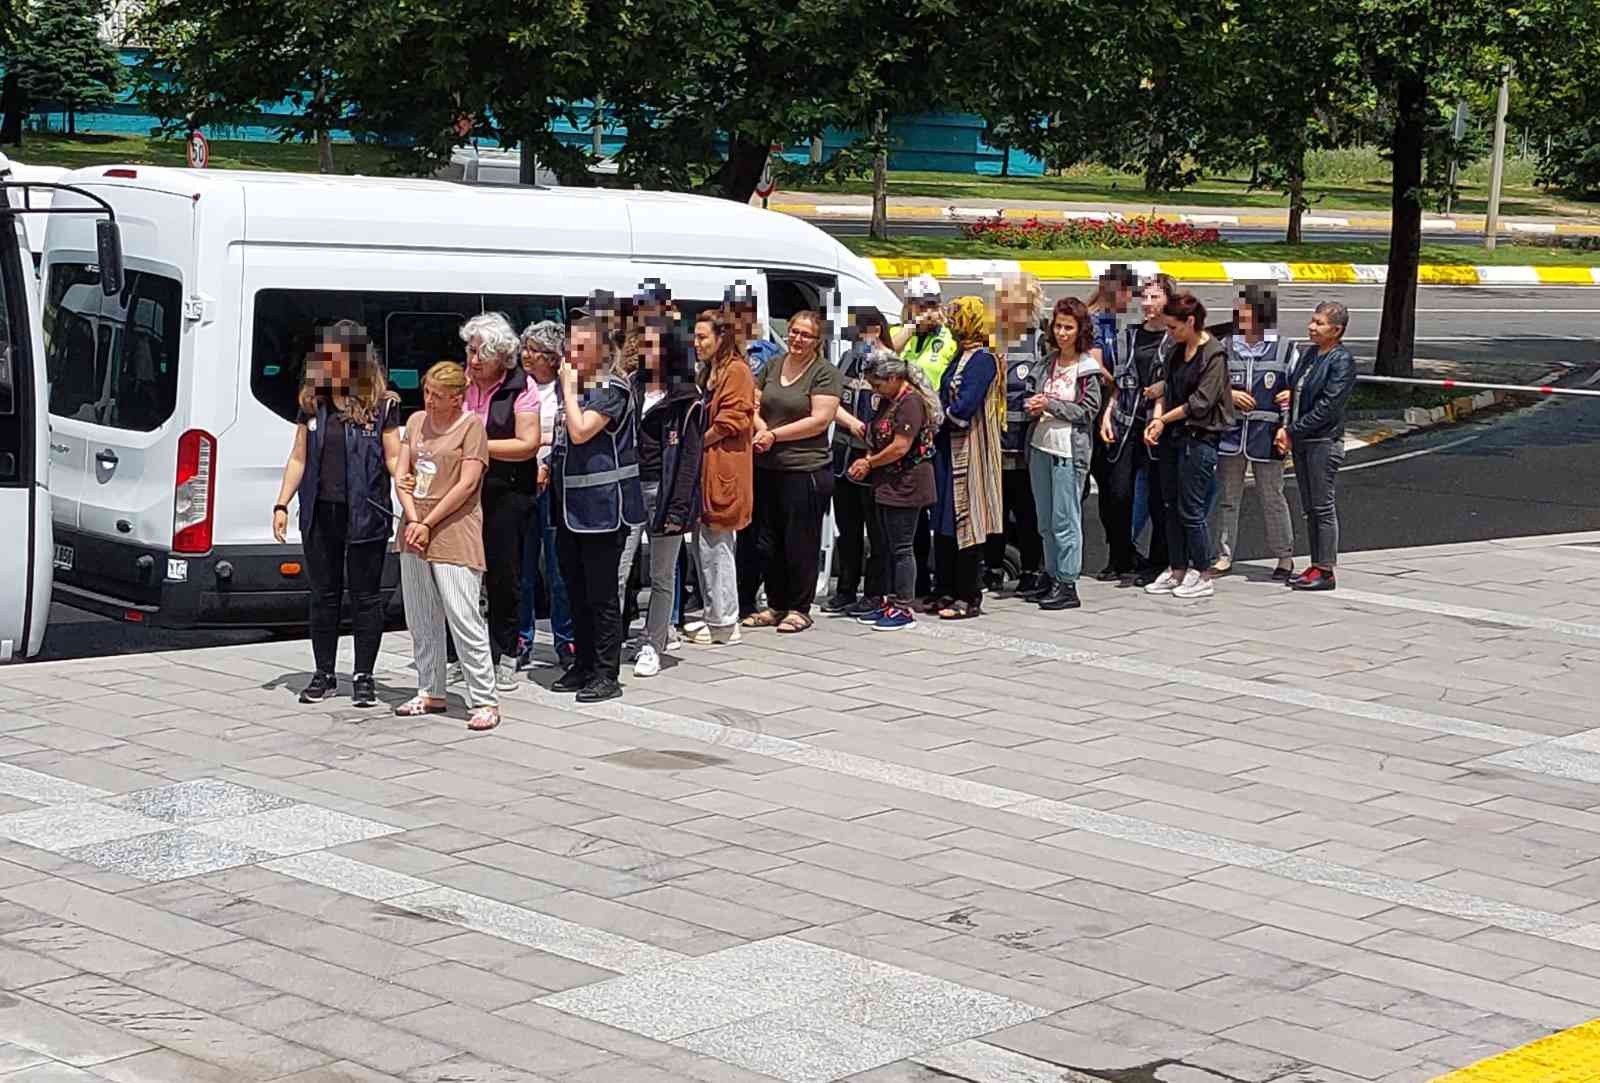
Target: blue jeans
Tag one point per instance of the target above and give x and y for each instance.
(542, 540)
(1189, 483)
(1058, 496)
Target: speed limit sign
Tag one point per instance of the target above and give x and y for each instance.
(766, 185)
(199, 151)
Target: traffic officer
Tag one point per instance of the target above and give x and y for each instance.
(1020, 300)
(855, 512)
(1258, 369)
(923, 340)
(596, 502)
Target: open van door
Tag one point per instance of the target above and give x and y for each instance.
(25, 569)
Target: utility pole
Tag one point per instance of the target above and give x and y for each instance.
(816, 150)
(1497, 171)
(597, 123)
(1458, 128)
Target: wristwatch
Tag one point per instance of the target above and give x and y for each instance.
(280, 507)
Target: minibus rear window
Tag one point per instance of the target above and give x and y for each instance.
(412, 331)
(112, 361)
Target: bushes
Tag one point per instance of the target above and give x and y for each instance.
(1030, 233)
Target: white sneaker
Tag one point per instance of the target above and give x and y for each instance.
(453, 673)
(726, 634)
(649, 663)
(1194, 585)
(674, 641)
(505, 674)
(1164, 584)
(696, 632)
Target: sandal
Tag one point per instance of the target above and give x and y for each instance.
(959, 611)
(794, 622)
(484, 718)
(419, 705)
(766, 618)
(937, 604)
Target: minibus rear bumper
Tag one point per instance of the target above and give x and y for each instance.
(232, 586)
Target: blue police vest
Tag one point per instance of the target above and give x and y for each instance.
(1128, 393)
(1263, 377)
(858, 398)
(1023, 368)
(599, 480)
(366, 475)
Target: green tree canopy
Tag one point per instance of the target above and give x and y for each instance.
(61, 59)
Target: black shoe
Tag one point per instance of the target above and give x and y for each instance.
(364, 692)
(839, 603)
(1041, 589)
(1026, 583)
(572, 681)
(1283, 575)
(1064, 596)
(994, 582)
(1147, 576)
(320, 687)
(869, 606)
(1108, 574)
(598, 690)
(566, 654)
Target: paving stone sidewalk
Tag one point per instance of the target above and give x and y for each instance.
(1264, 837)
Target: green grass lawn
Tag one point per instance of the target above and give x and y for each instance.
(1389, 398)
(76, 151)
(1316, 252)
(1352, 182)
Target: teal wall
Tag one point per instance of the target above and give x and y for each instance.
(941, 142)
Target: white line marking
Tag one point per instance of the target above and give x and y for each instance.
(1410, 454)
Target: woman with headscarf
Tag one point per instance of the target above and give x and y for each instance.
(967, 462)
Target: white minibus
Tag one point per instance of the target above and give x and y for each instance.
(172, 404)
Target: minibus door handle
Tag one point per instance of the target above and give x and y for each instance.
(106, 457)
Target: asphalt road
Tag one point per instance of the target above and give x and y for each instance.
(1532, 471)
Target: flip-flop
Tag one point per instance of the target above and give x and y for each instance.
(766, 618)
(417, 706)
(959, 611)
(484, 718)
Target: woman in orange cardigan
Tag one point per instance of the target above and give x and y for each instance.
(727, 484)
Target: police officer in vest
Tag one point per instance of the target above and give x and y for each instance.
(1258, 369)
(1140, 347)
(924, 341)
(855, 513)
(1020, 300)
(596, 500)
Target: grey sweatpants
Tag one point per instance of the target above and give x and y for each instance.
(719, 575)
(1316, 471)
(1274, 508)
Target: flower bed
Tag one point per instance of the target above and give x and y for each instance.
(1077, 233)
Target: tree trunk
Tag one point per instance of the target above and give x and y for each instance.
(1297, 201)
(747, 159)
(72, 121)
(324, 151)
(1005, 160)
(879, 229)
(14, 104)
(1397, 333)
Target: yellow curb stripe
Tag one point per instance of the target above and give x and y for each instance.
(1323, 272)
(1576, 227)
(906, 268)
(1565, 276)
(1568, 1056)
(1059, 270)
(1026, 213)
(1447, 274)
(1263, 220)
(1195, 270)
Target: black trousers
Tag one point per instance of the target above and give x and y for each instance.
(860, 528)
(1022, 524)
(334, 565)
(788, 531)
(505, 531)
(589, 567)
(958, 572)
(922, 549)
(1116, 481)
(1155, 492)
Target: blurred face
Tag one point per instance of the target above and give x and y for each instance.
(653, 357)
(539, 364)
(804, 337)
(871, 334)
(480, 369)
(1152, 301)
(331, 366)
(1066, 332)
(925, 313)
(1323, 331)
(705, 341)
(1244, 317)
(1124, 298)
(583, 351)
(746, 317)
(1014, 311)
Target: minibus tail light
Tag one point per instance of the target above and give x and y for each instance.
(195, 491)
(128, 174)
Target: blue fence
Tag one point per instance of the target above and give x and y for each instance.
(940, 142)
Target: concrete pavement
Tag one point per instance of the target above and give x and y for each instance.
(1266, 837)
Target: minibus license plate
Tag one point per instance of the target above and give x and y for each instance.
(64, 557)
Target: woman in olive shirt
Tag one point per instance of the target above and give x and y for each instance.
(794, 473)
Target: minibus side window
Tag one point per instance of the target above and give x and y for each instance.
(112, 360)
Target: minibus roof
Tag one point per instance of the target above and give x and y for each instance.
(301, 208)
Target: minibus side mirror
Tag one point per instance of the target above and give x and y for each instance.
(108, 245)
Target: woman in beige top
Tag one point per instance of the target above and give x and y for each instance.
(446, 449)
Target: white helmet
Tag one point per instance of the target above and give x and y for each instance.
(923, 288)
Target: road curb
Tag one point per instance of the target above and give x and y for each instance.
(1347, 274)
(1419, 418)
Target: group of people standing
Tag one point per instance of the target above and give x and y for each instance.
(552, 455)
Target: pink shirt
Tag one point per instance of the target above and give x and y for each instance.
(477, 402)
